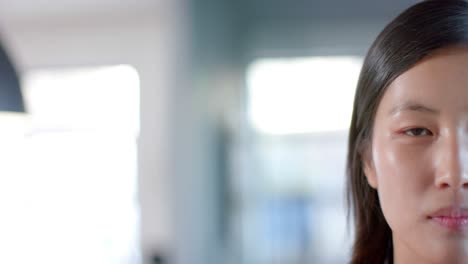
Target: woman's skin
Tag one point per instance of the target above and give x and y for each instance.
(417, 159)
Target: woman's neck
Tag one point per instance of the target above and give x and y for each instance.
(402, 254)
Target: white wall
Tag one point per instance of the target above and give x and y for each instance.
(149, 43)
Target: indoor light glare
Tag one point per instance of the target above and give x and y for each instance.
(302, 95)
(68, 178)
(86, 97)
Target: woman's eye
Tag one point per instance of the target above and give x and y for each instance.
(418, 132)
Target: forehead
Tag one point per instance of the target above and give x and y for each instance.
(439, 81)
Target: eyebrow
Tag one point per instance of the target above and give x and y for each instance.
(413, 106)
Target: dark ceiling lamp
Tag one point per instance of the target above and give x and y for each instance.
(11, 99)
(15, 123)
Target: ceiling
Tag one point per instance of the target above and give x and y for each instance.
(34, 10)
(325, 9)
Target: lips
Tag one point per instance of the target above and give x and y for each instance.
(453, 218)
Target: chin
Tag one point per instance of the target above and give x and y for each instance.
(454, 254)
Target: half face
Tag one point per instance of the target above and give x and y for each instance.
(418, 161)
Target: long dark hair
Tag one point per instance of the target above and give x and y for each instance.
(414, 34)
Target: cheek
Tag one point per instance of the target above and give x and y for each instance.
(404, 175)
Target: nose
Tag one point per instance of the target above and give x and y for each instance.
(453, 160)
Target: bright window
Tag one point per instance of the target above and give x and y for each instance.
(301, 95)
(293, 166)
(72, 196)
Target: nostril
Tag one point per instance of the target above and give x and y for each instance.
(444, 185)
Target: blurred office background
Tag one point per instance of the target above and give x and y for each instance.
(181, 131)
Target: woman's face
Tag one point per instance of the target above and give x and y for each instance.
(418, 159)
